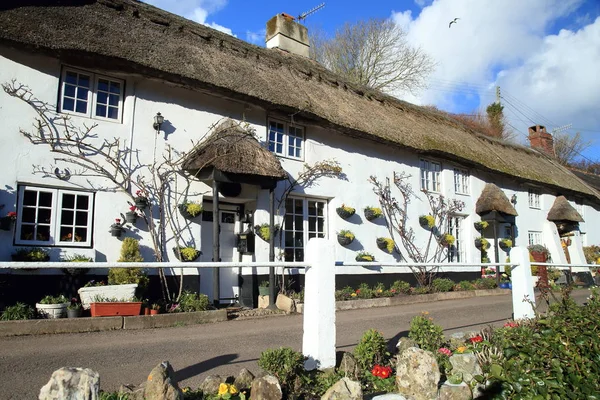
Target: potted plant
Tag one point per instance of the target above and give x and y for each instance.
(52, 307)
(427, 221)
(364, 256)
(345, 237)
(482, 243)
(76, 258)
(117, 229)
(7, 221)
(447, 239)
(31, 254)
(539, 252)
(141, 200)
(109, 307)
(345, 211)
(74, 309)
(505, 244)
(131, 216)
(264, 231)
(263, 288)
(386, 244)
(186, 253)
(480, 225)
(372, 213)
(190, 209)
(155, 309)
(17, 311)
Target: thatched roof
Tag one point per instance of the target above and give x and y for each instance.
(492, 198)
(134, 37)
(233, 150)
(591, 179)
(562, 210)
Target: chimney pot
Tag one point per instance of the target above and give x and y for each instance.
(286, 34)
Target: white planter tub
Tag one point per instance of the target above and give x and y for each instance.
(118, 292)
(52, 310)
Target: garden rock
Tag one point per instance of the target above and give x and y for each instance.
(161, 384)
(266, 388)
(405, 343)
(449, 391)
(387, 396)
(417, 374)
(244, 379)
(457, 339)
(285, 303)
(344, 389)
(349, 366)
(466, 364)
(71, 383)
(211, 384)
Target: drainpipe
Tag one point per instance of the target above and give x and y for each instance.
(216, 244)
(272, 248)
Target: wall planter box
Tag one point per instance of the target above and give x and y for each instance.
(52, 311)
(115, 309)
(120, 292)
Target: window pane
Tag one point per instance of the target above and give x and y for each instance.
(102, 97)
(81, 218)
(299, 253)
(271, 146)
(43, 233)
(66, 234)
(298, 209)
(82, 94)
(30, 198)
(312, 224)
(83, 202)
(44, 215)
(80, 235)
(84, 81)
(45, 199)
(312, 209)
(113, 100)
(28, 215)
(289, 255)
(113, 113)
(71, 77)
(279, 148)
(66, 217)
(100, 110)
(103, 86)
(298, 220)
(289, 240)
(27, 232)
(289, 224)
(69, 91)
(68, 104)
(81, 107)
(321, 225)
(115, 87)
(68, 201)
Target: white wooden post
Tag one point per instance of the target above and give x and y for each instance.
(318, 341)
(522, 284)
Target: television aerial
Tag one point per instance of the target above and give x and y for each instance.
(309, 12)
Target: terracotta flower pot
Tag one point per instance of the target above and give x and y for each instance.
(147, 310)
(154, 312)
(115, 309)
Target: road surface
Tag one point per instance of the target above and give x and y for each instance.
(126, 357)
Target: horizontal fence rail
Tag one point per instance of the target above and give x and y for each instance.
(148, 265)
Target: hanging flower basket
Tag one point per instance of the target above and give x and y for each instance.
(189, 210)
(385, 244)
(131, 216)
(141, 201)
(482, 243)
(345, 237)
(345, 212)
(116, 231)
(447, 240)
(186, 254)
(264, 231)
(372, 213)
(364, 256)
(505, 244)
(427, 221)
(480, 226)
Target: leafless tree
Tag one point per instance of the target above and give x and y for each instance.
(568, 147)
(374, 53)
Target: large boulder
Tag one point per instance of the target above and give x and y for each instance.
(405, 343)
(161, 384)
(417, 374)
(348, 366)
(71, 383)
(211, 383)
(344, 389)
(455, 392)
(465, 364)
(244, 379)
(266, 388)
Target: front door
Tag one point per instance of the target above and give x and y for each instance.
(229, 285)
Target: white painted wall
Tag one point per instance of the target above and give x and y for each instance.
(188, 115)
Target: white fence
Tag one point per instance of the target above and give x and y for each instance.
(318, 342)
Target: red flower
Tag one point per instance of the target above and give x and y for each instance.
(12, 214)
(476, 339)
(393, 290)
(138, 193)
(511, 325)
(381, 372)
(118, 220)
(132, 208)
(357, 291)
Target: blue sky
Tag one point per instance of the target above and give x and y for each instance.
(544, 54)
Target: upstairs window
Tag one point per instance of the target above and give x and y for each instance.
(54, 217)
(91, 95)
(430, 176)
(461, 181)
(534, 237)
(534, 198)
(286, 140)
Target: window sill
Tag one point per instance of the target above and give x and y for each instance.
(85, 116)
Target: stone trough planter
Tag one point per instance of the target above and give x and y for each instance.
(52, 311)
(119, 292)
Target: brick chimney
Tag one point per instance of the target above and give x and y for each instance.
(541, 140)
(284, 33)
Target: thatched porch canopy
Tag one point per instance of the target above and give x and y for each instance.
(233, 154)
(492, 198)
(562, 210)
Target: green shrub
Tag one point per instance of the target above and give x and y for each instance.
(364, 292)
(190, 302)
(425, 333)
(442, 285)
(61, 299)
(284, 363)
(401, 287)
(344, 294)
(464, 285)
(371, 350)
(130, 252)
(17, 311)
(421, 290)
(485, 283)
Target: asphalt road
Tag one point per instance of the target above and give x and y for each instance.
(126, 357)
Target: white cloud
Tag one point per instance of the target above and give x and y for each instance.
(421, 3)
(258, 38)
(505, 42)
(195, 10)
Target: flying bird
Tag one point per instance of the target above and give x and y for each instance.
(453, 22)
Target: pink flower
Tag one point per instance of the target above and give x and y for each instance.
(445, 351)
(138, 193)
(132, 208)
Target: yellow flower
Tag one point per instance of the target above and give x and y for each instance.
(232, 389)
(223, 388)
(379, 290)
(461, 349)
(186, 389)
(353, 295)
(425, 312)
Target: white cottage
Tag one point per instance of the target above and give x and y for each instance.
(116, 64)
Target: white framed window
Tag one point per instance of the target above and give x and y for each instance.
(534, 198)
(430, 176)
(54, 217)
(461, 181)
(305, 218)
(457, 252)
(91, 95)
(535, 237)
(286, 140)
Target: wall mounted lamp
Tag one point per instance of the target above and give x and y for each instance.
(158, 120)
(513, 199)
